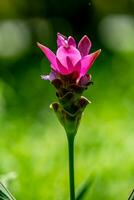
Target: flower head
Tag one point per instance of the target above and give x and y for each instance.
(69, 67)
(69, 58)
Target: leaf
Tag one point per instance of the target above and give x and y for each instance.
(4, 193)
(7, 178)
(131, 197)
(84, 189)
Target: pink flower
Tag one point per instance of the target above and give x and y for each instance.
(69, 58)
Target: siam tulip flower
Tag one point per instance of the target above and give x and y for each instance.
(69, 67)
(69, 58)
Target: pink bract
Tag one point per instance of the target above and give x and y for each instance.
(68, 57)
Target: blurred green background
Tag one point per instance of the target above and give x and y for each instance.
(32, 142)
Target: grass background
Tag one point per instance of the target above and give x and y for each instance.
(32, 142)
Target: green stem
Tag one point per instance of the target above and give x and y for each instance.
(70, 138)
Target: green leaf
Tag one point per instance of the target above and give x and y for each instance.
(131, 197)
(4, 193)
(84, 189)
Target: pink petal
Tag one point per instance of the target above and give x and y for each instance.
(71, 41)
(61, 69)
(61, 40)
(71, 52)
(49, 54)
(77, 66)
(84, 46)
(69, 65)
(87, 61)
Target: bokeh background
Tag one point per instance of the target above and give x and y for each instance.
(32, 143)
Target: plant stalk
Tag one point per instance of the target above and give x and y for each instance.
(70, 138)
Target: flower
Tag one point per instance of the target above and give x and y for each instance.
(69, 58)
(69, 67)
